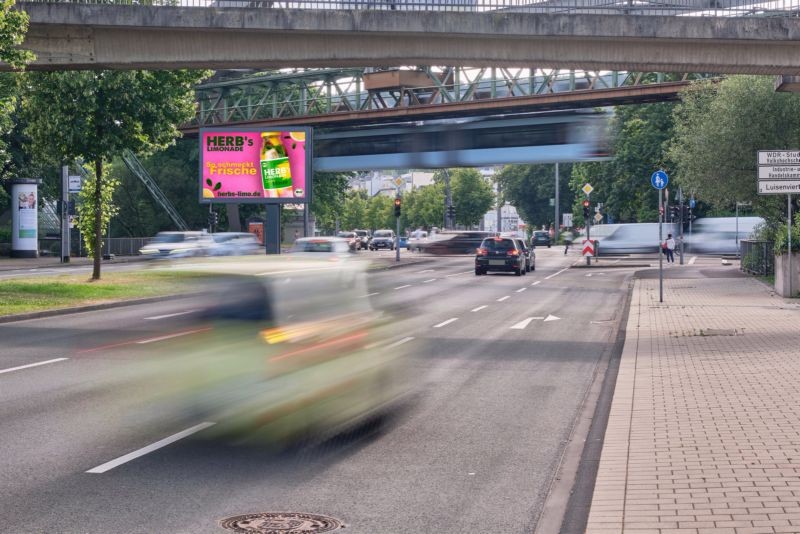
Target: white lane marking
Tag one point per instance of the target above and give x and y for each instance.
(501, 299)
(403, 287)
(522, 324)
(370, 295)
(157, 317)
(270, 273)
(552, 318)
(589, 275)
(458, 274)
(150, 448)
(37, 364)
(429, 281)
(170, 336)
(479, 308)
(426, 271)
(400, 342)
(692, 260)
(520, 290)
(445, 323)
(556, 274)
(536, 283)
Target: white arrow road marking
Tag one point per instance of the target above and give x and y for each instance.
(552, 318)
(525, 322)
(37, 364)
(150, 448)
(479, 308)
(445, 323)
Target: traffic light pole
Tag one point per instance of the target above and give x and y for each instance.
(660, 251)
(680, 221)
(397, 245)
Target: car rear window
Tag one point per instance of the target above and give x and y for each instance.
(498, 245)
(540, 234)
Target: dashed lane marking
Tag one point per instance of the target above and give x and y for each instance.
(536, 283)
(458, 274)
(150, 448)
(429, 281)
(403, 287)
(479, 308)
(370, 295)
(445, 323)
(170, 336)
(157, 317)
(37, 364)
(400, 342)
(501, 299)
(520, 290)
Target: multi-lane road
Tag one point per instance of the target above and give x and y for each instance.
(501, 366)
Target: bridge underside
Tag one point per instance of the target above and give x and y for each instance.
(128, 37)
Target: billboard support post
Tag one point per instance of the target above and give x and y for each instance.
(272, 229)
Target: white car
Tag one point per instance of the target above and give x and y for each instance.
(177, 245)
(234, 244)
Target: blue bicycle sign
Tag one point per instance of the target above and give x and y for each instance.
(659, 179)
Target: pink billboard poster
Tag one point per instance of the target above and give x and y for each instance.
(244, 166)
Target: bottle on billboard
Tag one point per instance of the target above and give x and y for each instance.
(276, 174)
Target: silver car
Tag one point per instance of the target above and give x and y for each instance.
(177, 245)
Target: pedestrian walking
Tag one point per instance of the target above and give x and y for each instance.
(568, 238)
(669, 248)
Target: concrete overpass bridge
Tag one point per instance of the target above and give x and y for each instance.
(722, 36)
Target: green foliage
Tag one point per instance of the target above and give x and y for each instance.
(718, 130)
(472, 196)
(88, 207)
(328, 193)
(13, 26)
(424, 207)
(354, 210)
(780, 239)
(95, 115)
(529, 189)
(380, 213)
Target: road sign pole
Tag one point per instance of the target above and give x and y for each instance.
(588, 238)
(660, 251)
(680, 221)
(555, 221)
(397, 244)
(789, 238)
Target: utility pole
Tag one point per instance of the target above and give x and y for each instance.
(499, 209)
(448, 202)
(680, 220)
(555, 222)
(64, 213)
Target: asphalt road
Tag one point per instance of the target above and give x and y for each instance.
(501, 365)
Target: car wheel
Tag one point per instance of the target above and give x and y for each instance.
(548, 246)
(518, 272)
(478, 272)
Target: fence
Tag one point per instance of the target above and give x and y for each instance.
(758, 257)
(732, 8)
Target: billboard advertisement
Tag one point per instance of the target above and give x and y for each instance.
(24, 218)
(249, 165)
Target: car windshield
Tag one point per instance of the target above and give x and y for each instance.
(168, 238)
(540, 234)
(383, 233)
(498, 245)
(316, 245)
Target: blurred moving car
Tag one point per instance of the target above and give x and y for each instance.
(540, 238)
(500, 254)
(177, 245)
(319, 247)
(417, 240)
(234, 244)
(455, 242)
(363, 239)
(353, 241)
(382, 239)
(632, 238)
(289, 352)
(717, 235)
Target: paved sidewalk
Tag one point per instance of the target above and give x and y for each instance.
(704, 430)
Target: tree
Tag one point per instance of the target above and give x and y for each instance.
(718, 130)
(328, 193)
(354, 210)
(380, 213)
(529, 189)
(13, 27)
(472, 196)
(424, 207)
(95, 115)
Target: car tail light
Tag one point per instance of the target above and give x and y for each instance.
(513, 252)
(483, 252)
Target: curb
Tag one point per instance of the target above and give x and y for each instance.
(81, 309)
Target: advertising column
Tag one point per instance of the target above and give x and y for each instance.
(24, 218)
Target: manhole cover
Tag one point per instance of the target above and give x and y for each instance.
(281, 523)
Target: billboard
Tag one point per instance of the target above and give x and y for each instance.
(255, 165)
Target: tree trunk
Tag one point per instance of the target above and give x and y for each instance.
(98, 217)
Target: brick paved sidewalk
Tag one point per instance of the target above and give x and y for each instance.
(704, 430)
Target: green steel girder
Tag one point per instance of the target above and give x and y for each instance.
(325, 91)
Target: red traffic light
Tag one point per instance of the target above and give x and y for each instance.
(585, 203)
(397, 202)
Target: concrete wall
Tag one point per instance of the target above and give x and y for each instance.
(122, 37)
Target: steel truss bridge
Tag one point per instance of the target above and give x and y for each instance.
(339, 97)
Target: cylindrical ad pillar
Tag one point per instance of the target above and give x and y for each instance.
(24, 218)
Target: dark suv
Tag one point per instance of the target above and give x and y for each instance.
(500, 254)
(540, 237)
(382, 239)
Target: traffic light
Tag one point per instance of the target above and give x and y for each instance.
(586, 209)
(213, 219)
(398, 204)
(451, 212)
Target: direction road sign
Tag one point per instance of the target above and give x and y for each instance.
(779, 157)
(587, 189)
(598, 217)
(588, 247)
(566, 219)
(782, 172)
(659, 179)
(74, 183)
(778, 187)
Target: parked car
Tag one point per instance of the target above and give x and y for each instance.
(234, 244)
(352, 239)
(177, 245)
(363, 239)
(540, 238)
(402, 242)
(530, 255)
(382, 239)
(455, 243)
(500, 254)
